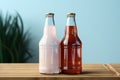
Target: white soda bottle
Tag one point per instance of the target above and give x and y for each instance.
(49, 50)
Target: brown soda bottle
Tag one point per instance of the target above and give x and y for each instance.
(71, 48)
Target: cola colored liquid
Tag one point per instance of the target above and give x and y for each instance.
(71, 52)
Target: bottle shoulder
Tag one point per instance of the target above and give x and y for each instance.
(47, 40)
(71, 41)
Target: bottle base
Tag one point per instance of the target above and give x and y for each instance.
(72, 71)
(49, 71)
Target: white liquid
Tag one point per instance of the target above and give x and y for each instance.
(49, 57)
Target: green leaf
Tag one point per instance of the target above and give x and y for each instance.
(14, 41)
(1, 56)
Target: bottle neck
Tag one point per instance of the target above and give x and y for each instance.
(49, 21)
(49, 28)
(71, 21)
(71, 28)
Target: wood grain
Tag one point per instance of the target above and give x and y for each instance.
(30, 71)
(116, 68)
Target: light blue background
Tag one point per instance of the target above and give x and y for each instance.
(98, 24)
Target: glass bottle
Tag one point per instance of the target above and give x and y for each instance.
(71, 48)
(49, 49)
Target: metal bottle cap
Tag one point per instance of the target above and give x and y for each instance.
(49, 14)
(70, 14)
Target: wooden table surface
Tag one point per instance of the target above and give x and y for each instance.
(30, 71)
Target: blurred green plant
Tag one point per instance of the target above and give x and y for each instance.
(14, 42)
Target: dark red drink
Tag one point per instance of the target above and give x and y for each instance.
(71, 51)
